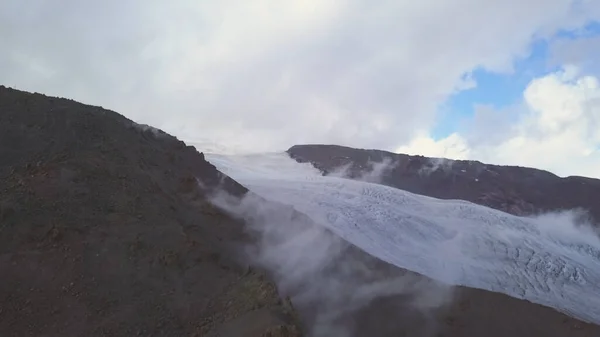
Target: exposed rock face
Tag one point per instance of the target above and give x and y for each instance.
(105, 231)
(516, 190)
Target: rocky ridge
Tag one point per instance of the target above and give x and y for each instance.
(512, 189)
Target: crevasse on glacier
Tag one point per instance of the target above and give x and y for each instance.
(453, 241)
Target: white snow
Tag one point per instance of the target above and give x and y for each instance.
(543, 260)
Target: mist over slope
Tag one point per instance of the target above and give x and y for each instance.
(545, 260)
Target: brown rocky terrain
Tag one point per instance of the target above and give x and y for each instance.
(104, 231)
(512, 189)
(108, 228)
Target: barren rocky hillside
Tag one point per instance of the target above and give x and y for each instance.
(105, 232)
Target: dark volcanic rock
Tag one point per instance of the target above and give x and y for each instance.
(516, 190)
(104, 231)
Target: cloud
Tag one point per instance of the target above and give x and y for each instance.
(371, 171)
(557, 128)
(263, 75)
(452, 147)
(578, 50)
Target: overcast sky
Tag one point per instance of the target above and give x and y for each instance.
(260, 75)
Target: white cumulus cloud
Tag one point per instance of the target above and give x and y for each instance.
(558, 129)
(264, 74)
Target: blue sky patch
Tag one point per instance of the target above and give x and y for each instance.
(502, 90)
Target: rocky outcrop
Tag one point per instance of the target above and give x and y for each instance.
(516, 190)
(105, 230)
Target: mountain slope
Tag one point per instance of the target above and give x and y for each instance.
(104, 231)
(516, 190)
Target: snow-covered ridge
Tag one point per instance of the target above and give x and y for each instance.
(544, 260)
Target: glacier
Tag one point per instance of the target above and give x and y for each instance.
(545, 260)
